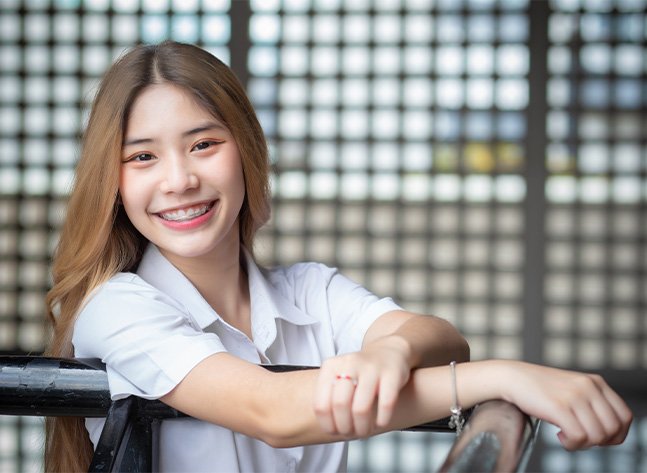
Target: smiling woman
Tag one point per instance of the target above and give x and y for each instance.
(155, 275)
(98, 239)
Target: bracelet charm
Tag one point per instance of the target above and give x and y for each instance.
(456, 420)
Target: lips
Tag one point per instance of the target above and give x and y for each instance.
(186, 213)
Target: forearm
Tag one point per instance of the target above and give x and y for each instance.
(427, 340)
(278, 408)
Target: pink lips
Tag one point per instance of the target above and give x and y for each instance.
(192, 223)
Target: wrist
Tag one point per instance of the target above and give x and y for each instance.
(498, 377)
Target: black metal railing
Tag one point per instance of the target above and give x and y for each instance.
(497, 437)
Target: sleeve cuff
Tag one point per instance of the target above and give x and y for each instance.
(157, 372)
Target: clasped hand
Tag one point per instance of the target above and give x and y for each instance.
(583, 406)
(358, 391)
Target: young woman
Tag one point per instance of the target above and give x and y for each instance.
(155, 275)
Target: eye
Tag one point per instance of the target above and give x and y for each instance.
(140, 158)
(201, 146)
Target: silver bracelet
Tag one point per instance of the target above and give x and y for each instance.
(456, 420)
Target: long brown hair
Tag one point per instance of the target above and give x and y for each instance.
(97, 239)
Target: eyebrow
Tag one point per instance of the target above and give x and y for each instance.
(193, 131)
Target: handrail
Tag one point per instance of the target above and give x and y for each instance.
(497, 438)
(45, 386)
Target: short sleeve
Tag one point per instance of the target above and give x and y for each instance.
(353, 309)
(148, 341)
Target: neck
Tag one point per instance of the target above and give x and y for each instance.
(222, 281)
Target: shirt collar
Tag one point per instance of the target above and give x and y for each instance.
(266, 301)
(269, 299)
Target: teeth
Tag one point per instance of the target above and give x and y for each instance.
(185, 214)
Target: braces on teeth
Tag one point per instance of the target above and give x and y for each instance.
(180, 215)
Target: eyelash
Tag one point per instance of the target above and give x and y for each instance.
(138, 155)
(195, 147)
(206, 142)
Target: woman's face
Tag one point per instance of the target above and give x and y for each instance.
(181, 181)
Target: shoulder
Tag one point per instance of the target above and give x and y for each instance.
(123, 295)
(301, 276)
(123, 288)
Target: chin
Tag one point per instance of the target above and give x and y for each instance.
(189, 250)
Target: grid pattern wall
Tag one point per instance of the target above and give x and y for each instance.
(596, 190)
(400, 137)
(398, 131)
(595, 285)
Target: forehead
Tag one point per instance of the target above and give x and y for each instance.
(160, 106)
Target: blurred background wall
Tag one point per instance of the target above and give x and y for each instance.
(482, 160)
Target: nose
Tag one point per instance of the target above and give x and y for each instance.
(179, 177)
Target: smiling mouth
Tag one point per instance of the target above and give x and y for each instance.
(189, 213)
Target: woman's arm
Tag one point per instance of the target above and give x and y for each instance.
(278, 407)
(394, 344)
(430, 340)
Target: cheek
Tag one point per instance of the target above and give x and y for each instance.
(131, 192)
(234, 177)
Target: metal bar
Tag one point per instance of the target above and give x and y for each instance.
(497, 438)
(42, 386)
(535, 175)
(108, 448)
(138, 449)
(240, 13)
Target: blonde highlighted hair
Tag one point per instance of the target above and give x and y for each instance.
(97, 239)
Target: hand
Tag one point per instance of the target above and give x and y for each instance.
(358, 391)
(583, 406)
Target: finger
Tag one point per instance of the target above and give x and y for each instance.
(323, 403)
(387, 397)
(589, 418)
(620, 408)
(609, 419)
(571, 434)
(364, 405)
(342, 400)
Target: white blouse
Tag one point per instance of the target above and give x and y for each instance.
(153, 327)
